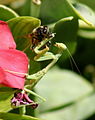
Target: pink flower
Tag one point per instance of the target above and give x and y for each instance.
(6, 38)
(22, 99)
(13, 63)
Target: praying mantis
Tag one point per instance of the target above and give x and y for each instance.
(40, 38)
(43, 54)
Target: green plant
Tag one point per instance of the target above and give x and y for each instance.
(69, 96)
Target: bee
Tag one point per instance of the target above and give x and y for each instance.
(39, 34)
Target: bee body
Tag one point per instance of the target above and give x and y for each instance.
(39, 34)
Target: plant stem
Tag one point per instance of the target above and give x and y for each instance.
(35, 9)
(22, 110)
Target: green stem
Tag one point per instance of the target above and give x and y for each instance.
(35, 9)
(22, 110)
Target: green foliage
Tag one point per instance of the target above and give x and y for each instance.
(7, 13)
(66, 32)
(90, 3)
(69, 96)
(68, 89)
(64, 8)
(80, 110)
(10, 116)
(5, 96)
(85, 13)
(20, 27)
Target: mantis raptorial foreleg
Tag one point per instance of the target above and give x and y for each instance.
(37, 76)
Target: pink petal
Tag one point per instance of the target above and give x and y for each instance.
(2, 75)
(15, 61)
(6, 38)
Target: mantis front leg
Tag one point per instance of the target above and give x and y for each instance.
(34, 78)
(42, 51)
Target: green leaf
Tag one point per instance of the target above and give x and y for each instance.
(86, 31)
(65, 8)
(11, 116)
(81, 110)
(20, 27)
(61, 8)
(66, 32)
(6, 95)
(85, 13)
(61, 87)
(7, 13)
(88, 34)
(90, 3)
